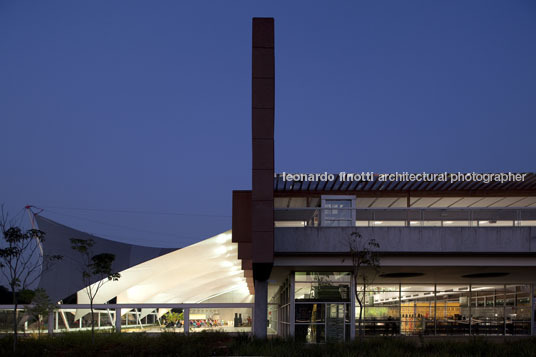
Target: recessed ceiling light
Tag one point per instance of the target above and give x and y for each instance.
(486, 275)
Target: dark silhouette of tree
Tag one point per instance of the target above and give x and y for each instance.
(21, 261)
(96, 271)
(365, 267)
(41, 306)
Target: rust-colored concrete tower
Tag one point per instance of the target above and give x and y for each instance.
(262, 193)
(262, 125)
(253, 223)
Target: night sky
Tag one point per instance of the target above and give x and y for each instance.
(131, 119)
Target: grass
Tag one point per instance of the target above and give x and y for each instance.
(221, 344)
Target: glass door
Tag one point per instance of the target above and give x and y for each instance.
(335, 325)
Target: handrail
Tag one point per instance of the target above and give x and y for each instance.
(409, 208)
(327, 216)
(140, 306)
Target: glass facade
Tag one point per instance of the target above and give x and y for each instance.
(447, 309)
(281, 304)
(318, 306)
(322, 306)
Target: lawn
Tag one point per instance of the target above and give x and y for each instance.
(221, 344)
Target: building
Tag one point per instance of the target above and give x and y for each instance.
(457, 257)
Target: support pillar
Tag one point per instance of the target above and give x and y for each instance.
(50, 323)
(470, 309)
(292, 304)
(504, 310)
(260, 314)
(110, 317)
(65, 321)
(435, 309)
(400, 307)
(532, 309)
(118, 320)
(186, 314)
(352, 309)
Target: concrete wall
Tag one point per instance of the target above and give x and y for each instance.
(409, 239)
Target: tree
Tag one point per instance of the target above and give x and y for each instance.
(21, 261)
(96, 271)
(365, 267)
(41, 306)
(171, 318)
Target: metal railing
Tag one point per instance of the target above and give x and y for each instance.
(404, 217)
(61, 319)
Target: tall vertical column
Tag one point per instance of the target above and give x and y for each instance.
(352, 308)
(400, 307)
(292, 304)
(532, 309)
(260, 316)
(262, 193)
(435, 309)
(186, 314)
(470, 309)
(118, 320)
(50, 323)
(504, 310)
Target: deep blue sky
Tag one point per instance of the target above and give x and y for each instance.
(145, 105)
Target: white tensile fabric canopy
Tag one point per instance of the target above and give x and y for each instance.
(200, 272)
(208, 271)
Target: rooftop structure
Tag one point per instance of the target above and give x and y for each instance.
(457, 250)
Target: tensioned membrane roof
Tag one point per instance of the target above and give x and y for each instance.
(208, 271)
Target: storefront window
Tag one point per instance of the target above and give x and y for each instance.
(321, 302)
(321, 306)
(518, 312)
(381, 310)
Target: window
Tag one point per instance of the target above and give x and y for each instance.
(338, 211)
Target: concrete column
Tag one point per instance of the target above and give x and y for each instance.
(352, 308)
(504, 310)
(532, 309)
(470, 309)
(51, 323)
(292, 302)
(400, 307)
(186, 314)
(260, 314)
(118, 320)
(435, 309)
